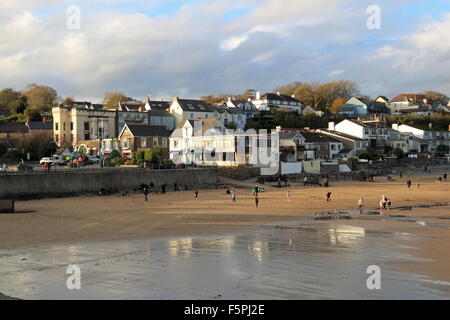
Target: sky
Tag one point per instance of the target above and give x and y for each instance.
(167, 48)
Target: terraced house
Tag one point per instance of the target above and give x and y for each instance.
(135, 137)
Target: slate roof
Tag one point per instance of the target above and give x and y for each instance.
(13, 128)
(40, 125)
(159, 105)
(311, 137)
(279, 97)
(144, 130)
(195, 105)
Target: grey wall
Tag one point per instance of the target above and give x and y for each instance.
(65, 184)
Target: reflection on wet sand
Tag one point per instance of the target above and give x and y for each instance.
(308, 260)
(345, 235)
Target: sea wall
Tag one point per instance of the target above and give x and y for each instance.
(20, 186)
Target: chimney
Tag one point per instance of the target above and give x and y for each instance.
(147, 100)
(229, 99)
(258, 95)
(175, 99)
(331, 126)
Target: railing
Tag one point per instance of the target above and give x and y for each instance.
(97, 169)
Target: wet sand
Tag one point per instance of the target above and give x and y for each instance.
(50, 233)
(308, 260)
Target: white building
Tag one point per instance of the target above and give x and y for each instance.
(277, 101)
(432, 138)
(186, 109)
(208, 142)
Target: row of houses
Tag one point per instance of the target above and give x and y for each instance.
(193, 140)
(402, 104)
(135, 125)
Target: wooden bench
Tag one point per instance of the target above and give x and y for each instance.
(6, 206)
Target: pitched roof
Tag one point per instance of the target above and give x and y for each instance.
(159, 105)
(207, 124)
(13, 128)
(409, 97)
(279, 97)
(145, 130)
(340, 134)
(317, 137)
(195, 105)
(40, 125)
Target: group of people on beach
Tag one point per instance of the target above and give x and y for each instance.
(385, 203)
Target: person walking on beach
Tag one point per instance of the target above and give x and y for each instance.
(328, 196)
(233, 196)
(288, 196)
(408, 183)
(146, 192)
(361, 205)
(401, 174)
(382, 204)
(388, 204)
(196, 194)
(439, 180)
(445, 177)
(257, 201)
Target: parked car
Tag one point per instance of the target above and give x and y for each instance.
(46, 160)
(56, 160)
(95, 160)
(92, 160)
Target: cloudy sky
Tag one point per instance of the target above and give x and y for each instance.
(166, 48)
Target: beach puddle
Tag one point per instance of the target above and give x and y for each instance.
(306, 260)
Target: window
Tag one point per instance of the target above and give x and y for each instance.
(71, 126)
(144, 142)
(126, 143)
(155, 142)
(164, 142)
(175, 143)
(71, 138)
(366, 131)
(56, 126)
(86, 136)
(86, 126)
(56, 138)
(64, 126)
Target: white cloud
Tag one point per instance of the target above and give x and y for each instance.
(195, 51)
(335, 73)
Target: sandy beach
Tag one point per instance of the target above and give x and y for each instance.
(95, 219)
